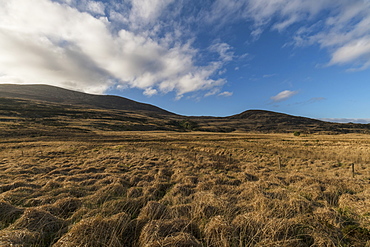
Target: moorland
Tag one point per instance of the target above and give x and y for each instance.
(83, 175)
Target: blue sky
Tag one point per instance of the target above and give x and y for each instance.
(218, 58)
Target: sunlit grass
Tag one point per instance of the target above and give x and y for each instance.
(185, 189)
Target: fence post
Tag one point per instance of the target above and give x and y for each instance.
(353, 169)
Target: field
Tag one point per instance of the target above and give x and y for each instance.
(185, 189)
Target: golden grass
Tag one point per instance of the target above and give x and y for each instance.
(96, 231)
(185, 189)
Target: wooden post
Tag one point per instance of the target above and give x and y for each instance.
(353, 169)
(279, 162)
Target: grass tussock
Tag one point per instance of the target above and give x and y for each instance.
(63, 208)
(47, 226)
(185, 189)
(218, 232)
(166, 232)
(26, 238)
(96, 231)
(154, 211)
(8, 214)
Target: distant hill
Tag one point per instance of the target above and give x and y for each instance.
(265, 120)
(41, 110)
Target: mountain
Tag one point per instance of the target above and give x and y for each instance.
(34, 110)
(264, 120)
(267, 122)
(68, 97)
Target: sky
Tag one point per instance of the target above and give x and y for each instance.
(197, 58)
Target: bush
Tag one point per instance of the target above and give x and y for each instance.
(184, 125)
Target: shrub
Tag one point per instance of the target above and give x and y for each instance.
(297, 133)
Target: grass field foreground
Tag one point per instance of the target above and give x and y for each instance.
(185, 189)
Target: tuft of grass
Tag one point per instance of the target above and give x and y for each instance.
(97, 231)
(218, 232)
(164, 232)
(63, 208)
(8, 214)
(26, 238)
(42, 222)
(154, 211)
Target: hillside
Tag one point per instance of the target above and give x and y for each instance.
(274, 122)
(68, 97)
(42, 109)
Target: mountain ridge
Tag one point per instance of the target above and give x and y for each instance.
(107, 112)
(65, 96)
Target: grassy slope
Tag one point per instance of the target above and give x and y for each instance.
(39, 118)
(68, 97)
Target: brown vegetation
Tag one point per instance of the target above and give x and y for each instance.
(185, 189)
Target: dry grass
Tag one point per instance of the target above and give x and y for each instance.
(185, 189)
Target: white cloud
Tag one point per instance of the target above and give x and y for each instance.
(95, 7)
(284, 12)
(256, 33)
(221, 72)
(353, 51)
(47, 42)
(224, 51)
(316, 99)
(243, 56)
(150, 91)
(286, 23)
(146, 11)
(224, 11)
(89, 6)
(226, 94)
(284, 95)
(212, 92)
